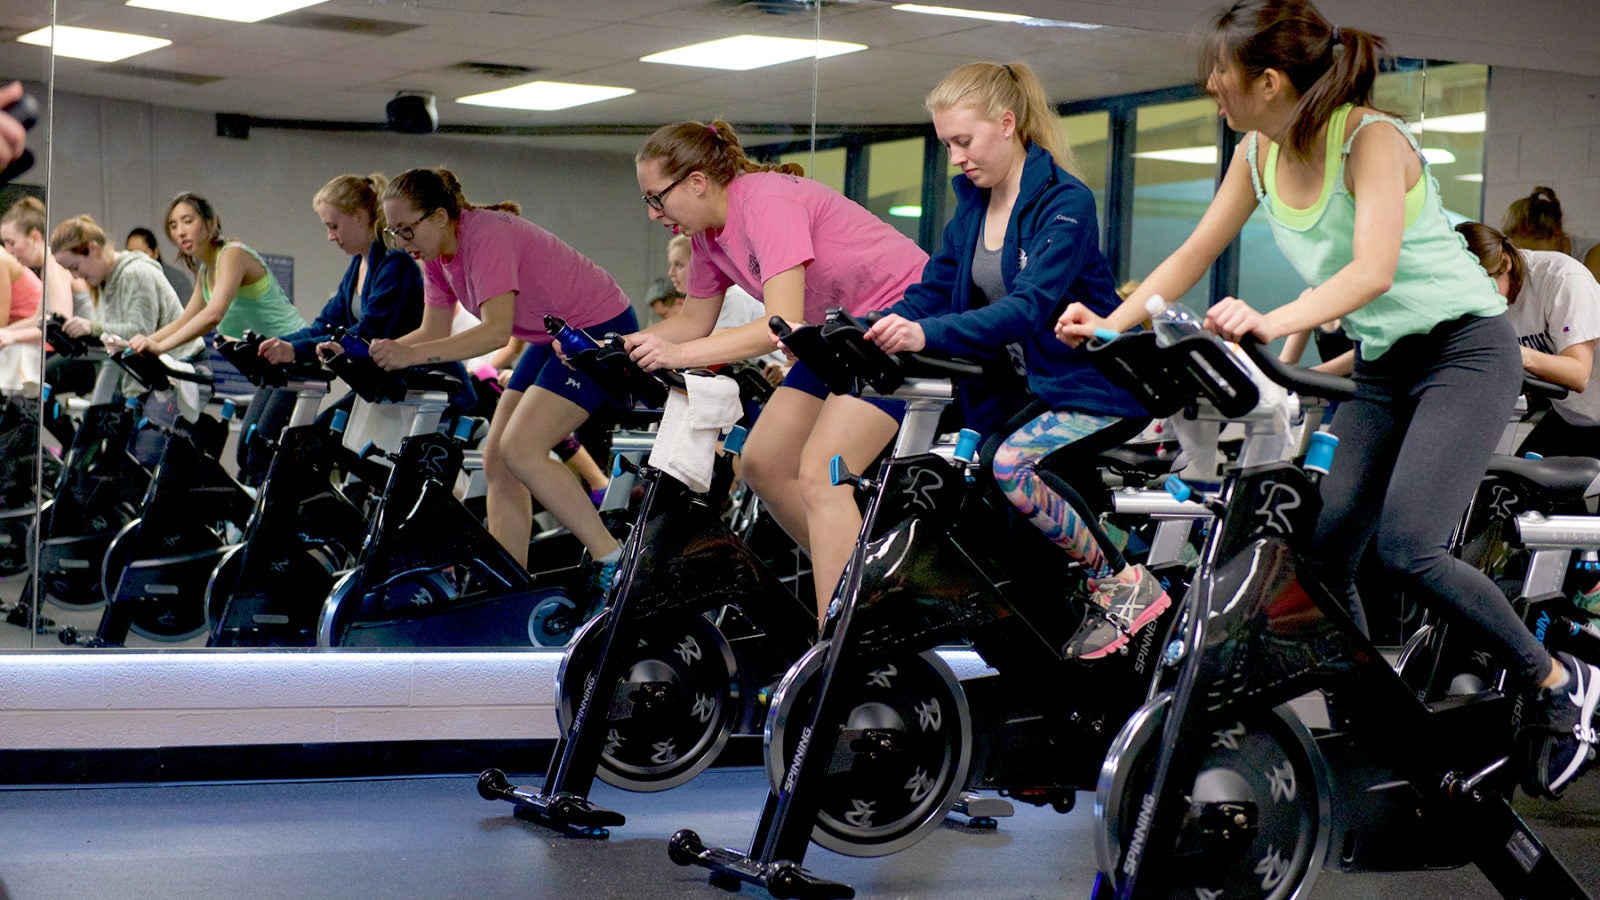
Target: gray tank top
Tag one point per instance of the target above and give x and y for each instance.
(986, 274)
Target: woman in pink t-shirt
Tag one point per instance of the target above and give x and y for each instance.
(801, 248)
(510, 273)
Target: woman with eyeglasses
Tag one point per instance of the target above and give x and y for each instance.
(510, 273)
(234, 291)
(801, 248)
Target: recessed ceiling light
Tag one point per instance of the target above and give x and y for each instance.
(230, 10)
(545, 95)
(1463, 123)
(1471, 176)
(750, 51)
(906, 212)
(960, 13)
(91, 43)
(987, 16)
(1199, 155)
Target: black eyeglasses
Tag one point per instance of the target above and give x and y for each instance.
(654, 200)
(407, 232)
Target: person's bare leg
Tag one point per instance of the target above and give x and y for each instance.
(771, 458)
(541, 420)
(858, 431)
(510, 508)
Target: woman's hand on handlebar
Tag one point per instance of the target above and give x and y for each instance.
(1231, 318)
(328, 350)
(392, 355)
(894, 333)
(143, 343)
(276, 351)
(1077, 324)
(651, 352)
(76, 326)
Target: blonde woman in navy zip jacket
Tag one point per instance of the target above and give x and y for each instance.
(1023, 244)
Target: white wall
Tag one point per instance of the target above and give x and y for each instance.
(1544, 129)
(122, 162)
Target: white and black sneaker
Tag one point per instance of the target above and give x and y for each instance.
(1561, 741)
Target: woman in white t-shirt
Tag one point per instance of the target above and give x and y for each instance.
(1555, 309)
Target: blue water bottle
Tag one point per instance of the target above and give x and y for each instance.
(572, 340)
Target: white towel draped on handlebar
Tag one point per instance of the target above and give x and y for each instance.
(691, 423)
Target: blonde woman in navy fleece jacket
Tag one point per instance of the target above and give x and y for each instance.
(1022, 245)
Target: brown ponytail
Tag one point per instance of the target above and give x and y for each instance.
(714, 149)
(1328, 66)
(76, 234)
(1497, 254)
(1535, 222)
(438, 188)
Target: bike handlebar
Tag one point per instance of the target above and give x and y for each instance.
(1299, 379)
(840, 354)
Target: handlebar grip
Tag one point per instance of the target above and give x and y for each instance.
(1297, 378)
(779, 327)
(1538, 387)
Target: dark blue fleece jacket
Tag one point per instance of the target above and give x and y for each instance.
(391, 301)
(1051, 258)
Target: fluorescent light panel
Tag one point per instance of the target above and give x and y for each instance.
(985, 15)
(960, 13)
(1438, 156)
(906, 212)
(228, 10)
(91, 43)
(1198, 155)
(1463, 123)
(546, 95)
(750, 51)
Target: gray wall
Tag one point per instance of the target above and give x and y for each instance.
(121, 162)
(1544, 128)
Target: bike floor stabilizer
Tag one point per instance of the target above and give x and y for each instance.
(782, 879)
(569, 813)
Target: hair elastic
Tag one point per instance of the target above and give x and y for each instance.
(1009, 71)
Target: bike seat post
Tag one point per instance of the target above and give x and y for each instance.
(308, 396)
(925, 399)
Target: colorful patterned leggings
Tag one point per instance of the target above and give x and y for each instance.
(1049, 502)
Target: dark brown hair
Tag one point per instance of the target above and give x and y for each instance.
(1536, 217)
(438, 188)
(714, 149)
(207, 214)
(1497, 254)
(1328, 66)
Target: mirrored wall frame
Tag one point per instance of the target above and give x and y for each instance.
(580, 142)
(26, 460)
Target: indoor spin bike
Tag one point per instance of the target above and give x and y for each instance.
(1214, 788)
(871, 738)
(651, 689)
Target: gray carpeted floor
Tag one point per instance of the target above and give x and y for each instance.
(435, 838)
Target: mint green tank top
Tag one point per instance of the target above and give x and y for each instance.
(260, 306)
(1437, 278)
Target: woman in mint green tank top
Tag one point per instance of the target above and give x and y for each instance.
(1355, 210)
(234, 291)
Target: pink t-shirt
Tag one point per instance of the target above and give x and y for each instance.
(775, 222)
(497, 252)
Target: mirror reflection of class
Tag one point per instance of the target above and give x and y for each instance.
(873, 147)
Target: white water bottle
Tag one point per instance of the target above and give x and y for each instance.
(1171, 321)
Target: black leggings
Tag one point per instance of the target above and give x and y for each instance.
(1414, 445)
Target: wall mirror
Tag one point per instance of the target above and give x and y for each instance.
(257, 116)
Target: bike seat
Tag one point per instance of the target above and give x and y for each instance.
(1564, 477)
